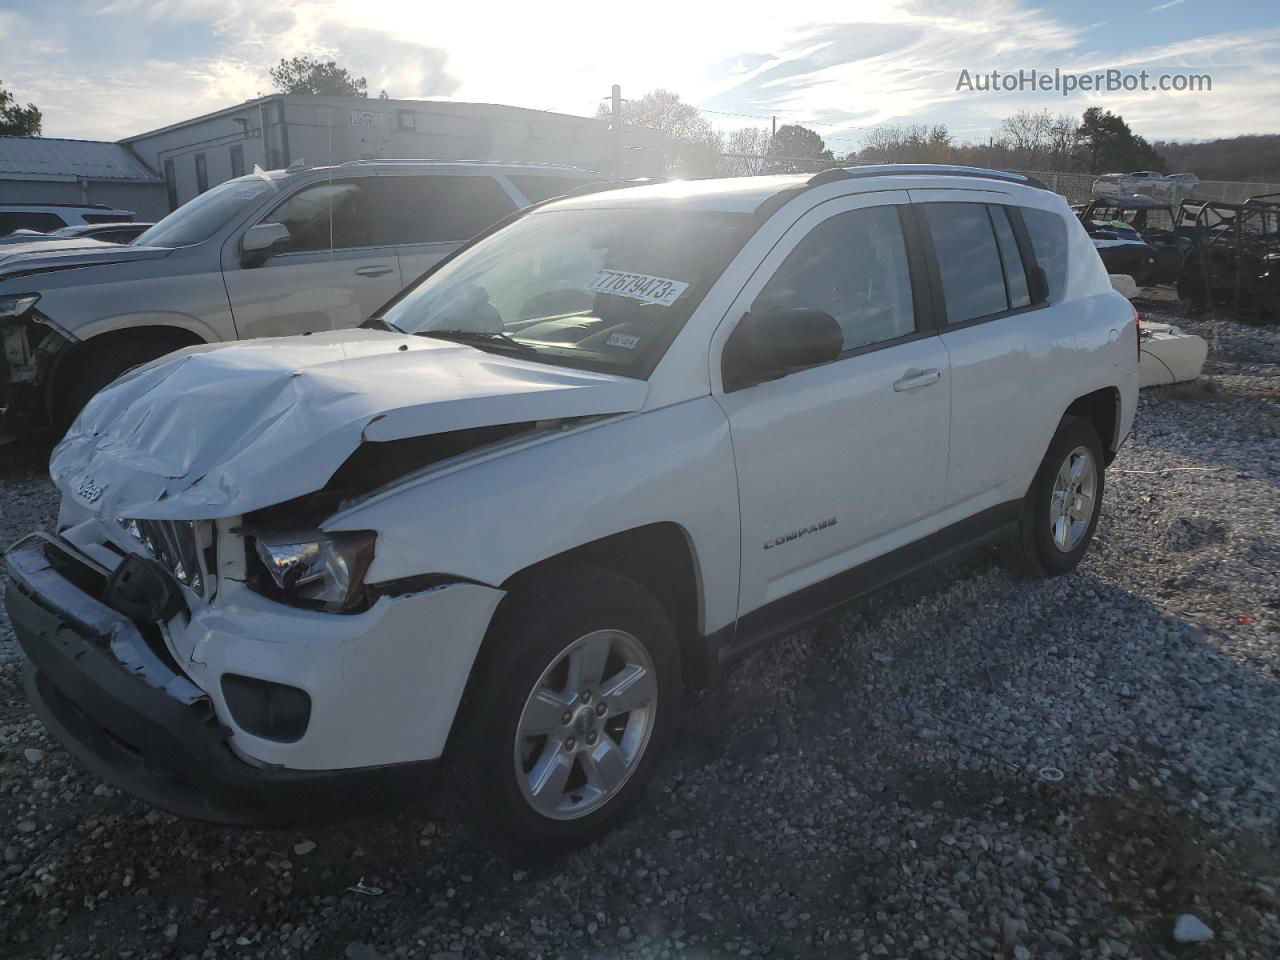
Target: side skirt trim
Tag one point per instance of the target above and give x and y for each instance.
(786, 615)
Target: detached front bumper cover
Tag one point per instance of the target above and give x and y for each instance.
(132, 719)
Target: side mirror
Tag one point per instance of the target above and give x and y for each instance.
(770, 344)
(262, 240)
(1038, 285)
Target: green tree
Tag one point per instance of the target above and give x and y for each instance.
(306, 74)
(17, 120)
(794, 145)
(1109, 146)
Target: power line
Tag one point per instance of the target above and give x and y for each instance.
(754, 116)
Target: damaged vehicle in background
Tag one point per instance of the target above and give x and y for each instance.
(1138, 236)
(599, 454)
(291, 251)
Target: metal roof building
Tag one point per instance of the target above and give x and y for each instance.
(51, 170)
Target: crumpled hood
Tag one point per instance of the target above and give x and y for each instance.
(43, 255)
(217, 431)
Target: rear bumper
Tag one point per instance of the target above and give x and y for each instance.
(137, 722)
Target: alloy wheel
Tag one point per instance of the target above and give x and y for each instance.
(1074, 499)
(586, 724)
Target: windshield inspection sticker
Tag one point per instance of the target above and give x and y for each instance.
(638, 286)
(623, 340)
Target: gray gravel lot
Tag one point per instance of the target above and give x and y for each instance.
(884, 786)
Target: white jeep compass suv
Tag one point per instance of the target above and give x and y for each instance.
(597, 454)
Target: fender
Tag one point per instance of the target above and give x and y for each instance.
(153, 318)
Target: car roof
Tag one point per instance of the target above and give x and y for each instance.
(448, 166)
(749, 194)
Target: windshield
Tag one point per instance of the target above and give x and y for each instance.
(601, 289)
(202, 217)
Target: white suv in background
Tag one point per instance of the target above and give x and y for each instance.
(595, 456)
(291, 251)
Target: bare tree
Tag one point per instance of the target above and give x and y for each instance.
(746, 152)
(692, 145)
(1028, 135)
(1064, 141)
(907, 143)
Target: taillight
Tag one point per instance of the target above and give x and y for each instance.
(1137, 331)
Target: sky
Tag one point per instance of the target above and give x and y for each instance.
(114, 68)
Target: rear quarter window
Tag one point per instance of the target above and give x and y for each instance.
(1048, 233)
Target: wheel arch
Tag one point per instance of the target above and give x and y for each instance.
(660, 557)
(70, 360)
(1102, 408)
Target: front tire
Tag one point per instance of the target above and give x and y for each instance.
(566, 715)
(1061, 510)
(103, 364)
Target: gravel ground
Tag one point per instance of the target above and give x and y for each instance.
(963, 766)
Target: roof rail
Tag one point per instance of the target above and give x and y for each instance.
(920, 169)
(479, 163)
(78, 206)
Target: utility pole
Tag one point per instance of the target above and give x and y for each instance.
(617, 130)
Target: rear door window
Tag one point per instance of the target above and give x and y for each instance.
(968, 260)
(1049, 241)
(442, 209)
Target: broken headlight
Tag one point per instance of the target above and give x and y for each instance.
(15, 307)
(326, 571)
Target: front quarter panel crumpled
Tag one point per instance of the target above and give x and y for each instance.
(487, 519)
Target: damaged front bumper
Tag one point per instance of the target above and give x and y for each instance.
(111, 691)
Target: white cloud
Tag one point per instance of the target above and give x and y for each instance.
(850, 65)
(1166, 6)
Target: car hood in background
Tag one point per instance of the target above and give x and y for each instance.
(43, 255)
(217, 431)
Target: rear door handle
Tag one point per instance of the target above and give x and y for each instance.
(914, 379)
(376, 270)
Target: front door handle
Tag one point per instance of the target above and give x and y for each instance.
(914, 379)
(375, 270)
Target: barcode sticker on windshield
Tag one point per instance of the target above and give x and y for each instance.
(638, 286)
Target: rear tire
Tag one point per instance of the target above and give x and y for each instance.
(1061, 510)
(567, 713)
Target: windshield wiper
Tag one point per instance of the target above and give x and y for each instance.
(385, 324)
(498, 342)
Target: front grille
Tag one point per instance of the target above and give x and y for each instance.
(177, 545)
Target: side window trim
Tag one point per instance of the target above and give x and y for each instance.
(1004, 267)
(1026, 248)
